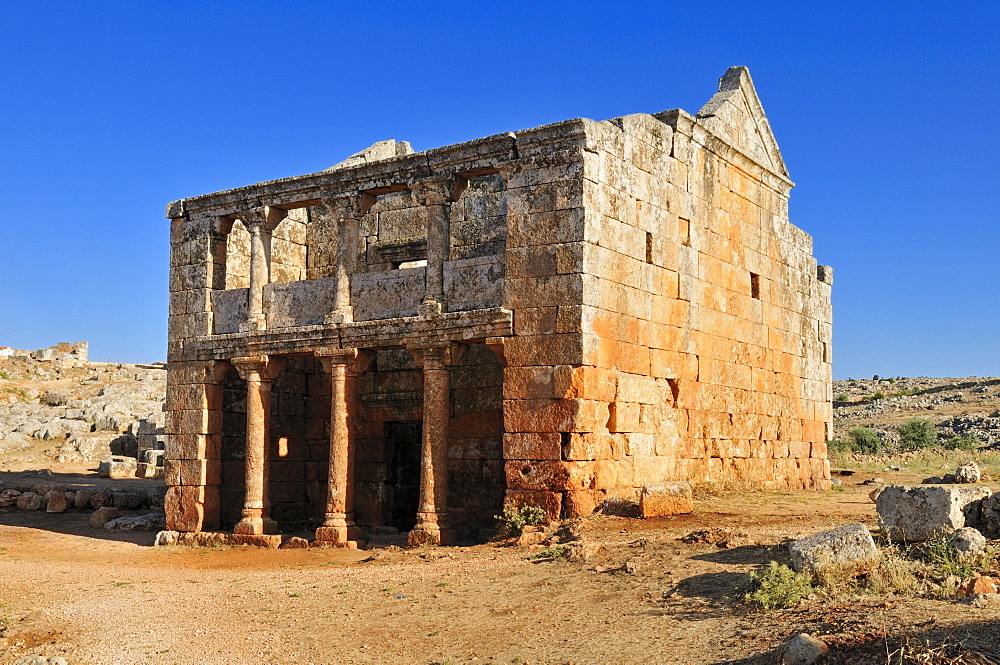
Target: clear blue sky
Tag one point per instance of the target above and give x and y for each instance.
(886, 113)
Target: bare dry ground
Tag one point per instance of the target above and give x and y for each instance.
(640, 595)
(644, 597)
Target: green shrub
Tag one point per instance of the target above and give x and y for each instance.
(878, 395)
(842, 397)
(839, 446)
(514, 519)
(777, 585)
(940, 553)
(917, 434)
(865, 440)
(964, 442)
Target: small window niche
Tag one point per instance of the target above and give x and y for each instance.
(755, 286)
(684, 231)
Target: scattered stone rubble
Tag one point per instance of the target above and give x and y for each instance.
(969, 406)
(90, 412)
(106, 503)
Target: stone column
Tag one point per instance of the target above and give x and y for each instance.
(433, 527)
(346, 210)
(344, 365)
(260, 222)
(435, 194)
(258, 372)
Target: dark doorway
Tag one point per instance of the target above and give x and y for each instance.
(404, 472)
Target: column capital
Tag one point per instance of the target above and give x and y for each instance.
(346, 205)
(434, 190)
(356, 360)
(265, 367)
(260, 218)
(437, 353)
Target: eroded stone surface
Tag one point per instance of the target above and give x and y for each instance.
(915, 514)
(848, 548)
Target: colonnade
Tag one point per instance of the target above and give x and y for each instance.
(343, 367)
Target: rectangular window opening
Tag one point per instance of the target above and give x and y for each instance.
(649, 247)
(402, 265)
(755, 285)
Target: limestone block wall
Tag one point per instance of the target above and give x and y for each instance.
(544, 404)
(711, 325)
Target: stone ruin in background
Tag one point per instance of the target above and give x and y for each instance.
(556, 317)
(64, 352)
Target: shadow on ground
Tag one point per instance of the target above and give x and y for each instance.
(975, 643)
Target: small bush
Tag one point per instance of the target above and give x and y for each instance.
(514, 519)
(550, 552)
(940, 553)
(917, 434)
(839, 446)
(842, 397)
(878, 395)
(964, 442)
(777, 585)
(865, 440)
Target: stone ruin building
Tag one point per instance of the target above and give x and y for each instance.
(555, 316)
(75, 353)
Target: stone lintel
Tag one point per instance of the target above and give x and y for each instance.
(464, 327)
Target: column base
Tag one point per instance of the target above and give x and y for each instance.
(256, 526)
(250, 526)
(338, 536)
(430, 536)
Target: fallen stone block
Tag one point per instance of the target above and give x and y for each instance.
(117, 467)
(103, 515)
(144, 470)
(148, 522)
(128, 500)
(666, 498)
(294, 543)
(989, 516)
(967, 541)
(82, 498)
(848, 548)
(100, 498)
(55, 502)
(968, 473)
(30, 501)
(9, 497)
(915, 514)
(164, 538)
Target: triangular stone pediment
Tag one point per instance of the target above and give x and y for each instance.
(736, 115)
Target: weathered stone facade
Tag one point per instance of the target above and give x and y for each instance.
(555, 316)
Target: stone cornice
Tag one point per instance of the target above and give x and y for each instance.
(471, 157)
